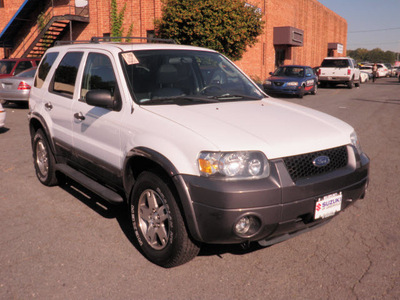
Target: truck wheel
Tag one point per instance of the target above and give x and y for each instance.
(158, 224)
(43, 159)
(350, 84)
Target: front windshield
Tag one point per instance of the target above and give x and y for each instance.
(289, 72)
(166, 76)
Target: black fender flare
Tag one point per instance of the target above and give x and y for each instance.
(169, 169)
(32, 128)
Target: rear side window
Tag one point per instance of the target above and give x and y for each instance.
(44, 68)
(65, 75)
(6, 66)
(22, 66)
(335, 63)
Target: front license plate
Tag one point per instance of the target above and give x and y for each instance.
(327, 206)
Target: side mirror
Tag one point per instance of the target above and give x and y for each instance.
(101, 98)
(271, 73)
(308, 75)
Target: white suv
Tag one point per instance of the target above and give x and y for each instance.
(198, 152)
(336, 70)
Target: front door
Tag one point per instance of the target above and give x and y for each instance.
(96, 130)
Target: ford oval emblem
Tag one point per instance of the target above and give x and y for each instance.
(321, 161)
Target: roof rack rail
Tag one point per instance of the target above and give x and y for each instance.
(97, 39)
(59, 43)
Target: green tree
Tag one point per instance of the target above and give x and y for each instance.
(117, 21)
(376, 55)
(228, 26)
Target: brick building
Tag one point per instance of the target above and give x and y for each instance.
(296, 31)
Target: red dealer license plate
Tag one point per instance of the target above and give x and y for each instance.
(327, 206)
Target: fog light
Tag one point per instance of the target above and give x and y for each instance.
(243, 225)
(247, 226)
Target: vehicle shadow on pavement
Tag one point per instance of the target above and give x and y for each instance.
(20, 105)
(102, 207)
(122, 215)
(235, 249)
(4, 130)
(384, 101)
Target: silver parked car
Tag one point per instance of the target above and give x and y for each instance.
(17, 88)
(2, 116)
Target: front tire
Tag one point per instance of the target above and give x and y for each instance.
(314, 92)
(301, 92)
(158, 223)
(43, 159)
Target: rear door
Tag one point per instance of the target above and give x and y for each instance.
(58, 99)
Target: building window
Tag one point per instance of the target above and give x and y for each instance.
(1, 3)
(150, 34)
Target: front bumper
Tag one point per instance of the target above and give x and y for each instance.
(282, 206)
(289, 90)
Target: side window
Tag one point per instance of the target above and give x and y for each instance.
(65, 75)
(22, 66)
(44, 68)
(98, 75)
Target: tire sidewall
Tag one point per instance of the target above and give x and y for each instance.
(49, 178)
(147, 181)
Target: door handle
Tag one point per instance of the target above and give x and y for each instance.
(79, 116)
(48, 106)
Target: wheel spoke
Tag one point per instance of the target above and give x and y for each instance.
(151, 200)
(162, 235)
(151, 235)
(162, 212)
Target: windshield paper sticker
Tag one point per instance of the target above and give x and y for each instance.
(130, 58)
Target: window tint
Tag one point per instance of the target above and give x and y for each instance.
(335, 63)
(6, 66)
(289, 72)
(22, 65)
(65, 75)
(44, 68)
(98, 75)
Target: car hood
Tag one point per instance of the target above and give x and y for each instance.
(276, 127)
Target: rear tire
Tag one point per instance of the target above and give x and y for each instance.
(158, 223)
(43, 160)
(350, 84)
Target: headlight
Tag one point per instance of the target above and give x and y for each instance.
(293, 83)
(267, 82)
(356, 142)
(234, 165)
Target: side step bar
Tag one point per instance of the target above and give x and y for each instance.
(90, 184)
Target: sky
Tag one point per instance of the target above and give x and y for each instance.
(370, 23)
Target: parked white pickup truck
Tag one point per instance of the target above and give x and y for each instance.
(335, 70)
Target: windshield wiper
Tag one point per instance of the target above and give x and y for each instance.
(180, 100)
(235, 97)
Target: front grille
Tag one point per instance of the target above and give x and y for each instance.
(301, 166)
(278, 83)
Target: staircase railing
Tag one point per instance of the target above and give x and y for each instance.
(41, 25)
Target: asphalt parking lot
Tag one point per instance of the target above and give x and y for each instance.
(64, 243)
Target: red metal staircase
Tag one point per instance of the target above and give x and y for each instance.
(53, 31)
